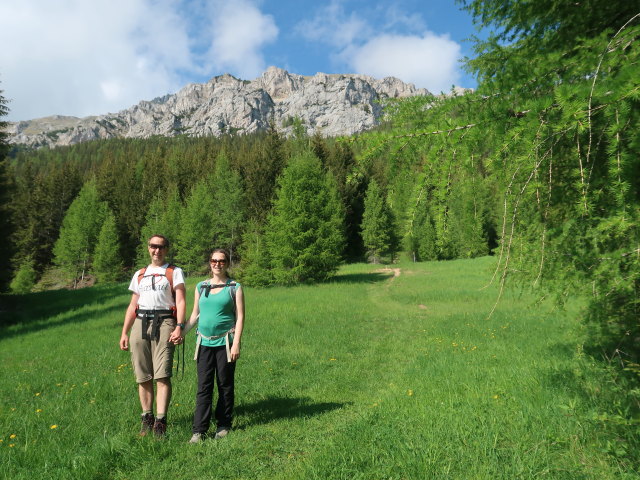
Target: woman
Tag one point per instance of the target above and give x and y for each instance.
(219, 311)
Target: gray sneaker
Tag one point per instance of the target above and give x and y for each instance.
(222, 432)
(197, 438)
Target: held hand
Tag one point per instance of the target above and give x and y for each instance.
(176, 336)
(124, 342)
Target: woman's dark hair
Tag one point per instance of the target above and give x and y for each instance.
(224, 252)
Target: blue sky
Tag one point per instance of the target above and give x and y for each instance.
(90, 57)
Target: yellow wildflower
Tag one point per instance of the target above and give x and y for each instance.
(410, 392)
(53, 427)
(11, 445)
(38, 410)
(12, 436)
(495, 397)
(38, 394)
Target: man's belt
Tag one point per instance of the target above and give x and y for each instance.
(156, 317)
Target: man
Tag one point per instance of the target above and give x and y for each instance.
(156, 313)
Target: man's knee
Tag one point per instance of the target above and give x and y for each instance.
(164, 382)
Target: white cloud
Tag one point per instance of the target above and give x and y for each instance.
(399, 45)
(428, 61)
(333, 26)
(239, 31)
(79, 57)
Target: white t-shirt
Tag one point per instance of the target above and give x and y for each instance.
(160, 298)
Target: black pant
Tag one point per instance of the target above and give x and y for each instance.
(212, 362)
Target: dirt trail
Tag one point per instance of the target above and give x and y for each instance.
(396, 271)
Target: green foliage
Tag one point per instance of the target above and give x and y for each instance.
(81, 226)
(570, 134)
(260, 172)
(424, 239)
(254, 269)
(163, 218)
(196, 237)
(39, 202)
(540, 165)
(132, 174)
(377, 224)
(304, 233)
(6, 224)
(107, 263)
(25, 278)
(229, 207)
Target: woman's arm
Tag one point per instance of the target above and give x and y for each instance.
(195, 313)
(193, 319)
(237, 336)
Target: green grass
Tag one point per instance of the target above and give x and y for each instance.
(370, 376)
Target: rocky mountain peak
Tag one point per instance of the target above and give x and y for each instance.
(331, 104)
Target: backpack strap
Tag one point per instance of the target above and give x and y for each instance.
(141, 274)
(169, 274)
(206, 286)
(232, 292)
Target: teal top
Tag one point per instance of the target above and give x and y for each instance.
(217, 314)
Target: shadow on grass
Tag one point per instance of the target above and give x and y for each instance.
(564, 378)
(372, 277)
(274, 408)
(37, 307)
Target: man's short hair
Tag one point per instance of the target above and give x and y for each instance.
(164, 239)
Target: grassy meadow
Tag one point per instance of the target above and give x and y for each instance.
(379, 374)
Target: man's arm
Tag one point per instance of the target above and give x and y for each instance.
(129, 318)
(181, 310)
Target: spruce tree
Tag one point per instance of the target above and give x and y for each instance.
(107, 263)
(255, 266)
(228, 199)
(424, 236)
(305, 232)
(25, 277)
(377, 225)
(80, 229)
(260, 172)
(163, 218)
(196, 236)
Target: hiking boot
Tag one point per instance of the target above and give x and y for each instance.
(197, 438)
(222, 432)
(160, 427)
(147, 423)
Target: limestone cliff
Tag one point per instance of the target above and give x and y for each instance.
(329, 104)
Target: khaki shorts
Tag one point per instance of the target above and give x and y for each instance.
(152, 359)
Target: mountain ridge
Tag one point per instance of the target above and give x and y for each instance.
(330, 104)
